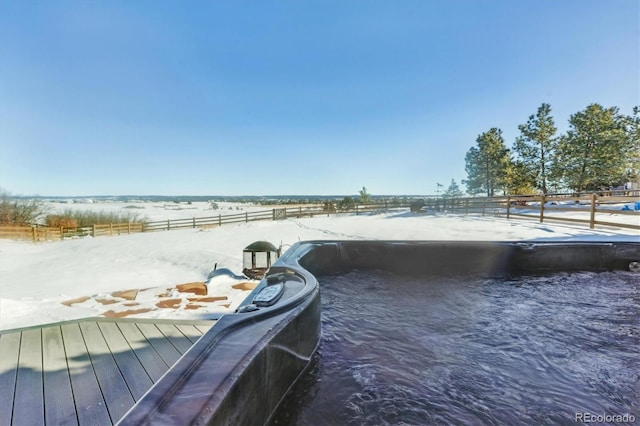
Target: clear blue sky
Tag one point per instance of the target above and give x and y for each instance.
(290, 97)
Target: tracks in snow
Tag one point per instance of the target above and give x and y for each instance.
(330, 233)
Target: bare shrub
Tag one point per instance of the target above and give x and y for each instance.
(19, 211)
(57, 221)
(81, 218)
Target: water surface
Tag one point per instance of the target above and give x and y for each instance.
(532, 350)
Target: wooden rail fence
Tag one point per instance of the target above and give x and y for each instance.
(537, 207)
(544, 207)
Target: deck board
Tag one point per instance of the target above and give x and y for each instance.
(58, 396)
(90, 405)
(152, 362)
(160, 343)
(175, 336)
(9, 351)
(137, 379)
(190, 331)
(202, 329)
(86, 372)
(28, 405)
(114, 388)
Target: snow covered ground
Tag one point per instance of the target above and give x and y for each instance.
(35, 279)
(155, 211)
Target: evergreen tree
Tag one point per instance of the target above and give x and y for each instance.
(347, 203)
(365, 197)
(536, 145)
(453, 191)
(633, 137)
(487, 164)
(520, 180)
(596, 152)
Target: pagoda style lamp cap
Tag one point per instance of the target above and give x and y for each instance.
(261, 246)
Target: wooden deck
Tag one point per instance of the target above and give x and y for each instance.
(87, 372)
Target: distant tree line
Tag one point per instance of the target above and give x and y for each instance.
(600, 150)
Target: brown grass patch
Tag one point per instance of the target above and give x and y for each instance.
(206, 299)
(169, 303)
(245, 286)
(131, 304)
(76, 300)
(121, 314)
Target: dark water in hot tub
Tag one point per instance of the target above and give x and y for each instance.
(536, 350)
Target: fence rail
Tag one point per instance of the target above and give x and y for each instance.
(543, 207)
(537, 207)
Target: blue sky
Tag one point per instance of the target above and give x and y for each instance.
(290, 97)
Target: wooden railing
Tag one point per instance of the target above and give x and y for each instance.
(543, 207)
(30, 233)
(537, 207)
(47, 233)
(42, 233)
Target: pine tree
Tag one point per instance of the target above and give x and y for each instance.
(365, 197)
(347, 203)
(596, 153)
(633, 137)
(520, 179)
(453, 191)
(487, 164)
(536, 145)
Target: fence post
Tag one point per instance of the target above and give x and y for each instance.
(466, 207)
(484, 204)
(194, 222)
(246, 217)
(168, 224)
(219, 219)
(61, 232)
(111, 229)
(508, 206)
(129, 227)
(35, 234)
(356, 210)
(542, 201)
(273, 214)
(300, 210)
(592, 220)
(94, 231)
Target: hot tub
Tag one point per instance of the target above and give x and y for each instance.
(489, 326)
